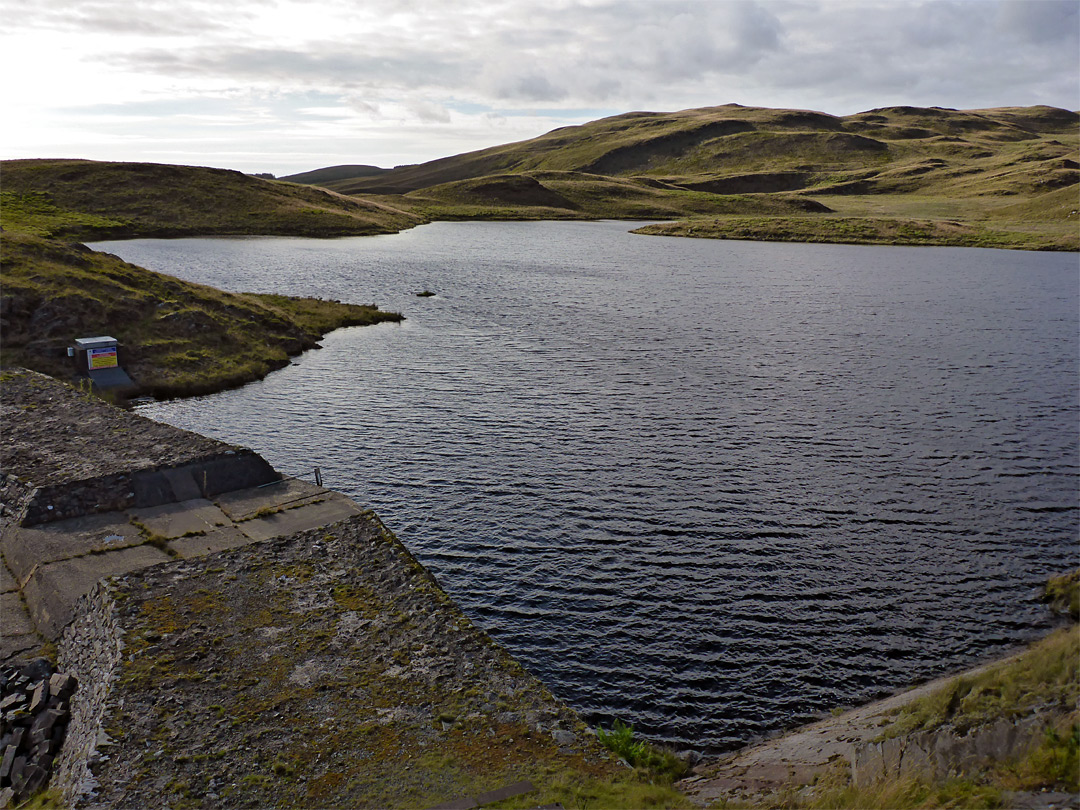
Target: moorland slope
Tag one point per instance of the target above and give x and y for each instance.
(178, 338)
(84, 199)
(1004, 177)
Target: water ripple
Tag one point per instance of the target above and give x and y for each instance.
(712, 488)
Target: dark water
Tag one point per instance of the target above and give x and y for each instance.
(712, 488)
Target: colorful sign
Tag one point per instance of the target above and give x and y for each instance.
(101, 358)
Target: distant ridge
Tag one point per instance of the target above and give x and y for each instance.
(1004, 177)
(887, 149)
(331, 173)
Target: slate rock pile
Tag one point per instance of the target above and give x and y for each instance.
(34, 714)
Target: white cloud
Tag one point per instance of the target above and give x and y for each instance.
(407, 81)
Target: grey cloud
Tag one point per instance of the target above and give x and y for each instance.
(429, 113)
(630, 53)
(144, 18)
(1041, 21)
(328, 65)
(532, 87)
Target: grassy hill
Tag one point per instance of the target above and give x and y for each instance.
(1005, 177)
(177, 338)
(85, 199)
(331, 173)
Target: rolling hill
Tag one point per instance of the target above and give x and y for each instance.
(85, 199)
(177, 338)
(1008, 177)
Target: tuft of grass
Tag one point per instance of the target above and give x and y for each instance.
(654, 763)
(1063, 594)
(1054, 764)
(834, 792)
(620, 741)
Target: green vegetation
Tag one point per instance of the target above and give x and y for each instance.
(1045, 678)
(652, 763)
(354, 707)
(176, 338)
(1045, 675)
(833, 792)
(858, 230)
(1004, 178)
(1053, 765)
(1063, 594)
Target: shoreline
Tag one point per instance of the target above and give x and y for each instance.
(796, 760)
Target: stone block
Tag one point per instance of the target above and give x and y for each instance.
(183, 484)
(63, 685)
(18, 765)
(210, 543)
(52, 590)
(40, 696)
(34, 779)
(7, 581)
(892, 750)
(177, 519)
(917, 761)
(6, 762)
(312, 516)
(26, 547)
(246, 503)
(867, 765)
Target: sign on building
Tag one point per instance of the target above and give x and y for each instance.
(101, 358)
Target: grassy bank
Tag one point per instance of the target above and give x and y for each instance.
(1044, 678)
(869, 230)
(177, 338)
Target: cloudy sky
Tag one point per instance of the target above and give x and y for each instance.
(291, 85)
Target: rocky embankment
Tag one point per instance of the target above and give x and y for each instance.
(240, 639)
(34, 714)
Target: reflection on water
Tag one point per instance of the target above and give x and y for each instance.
(711, 488)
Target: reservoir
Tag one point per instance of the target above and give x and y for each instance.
(711, 488)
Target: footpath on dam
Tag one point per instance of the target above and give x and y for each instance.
(245, 639)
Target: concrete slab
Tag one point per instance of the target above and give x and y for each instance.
(7, 581)
(246, 503)
(52, 590)
(22, 646)
(15, 619)
(26, 547)
(335, 508)
(183, 484)
(218, 540)
(174, 520)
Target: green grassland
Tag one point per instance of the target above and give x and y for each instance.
(1006, 177)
